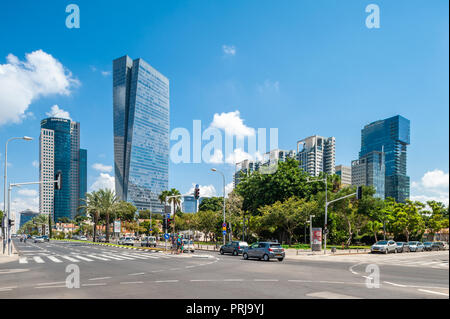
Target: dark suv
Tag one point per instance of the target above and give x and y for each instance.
(264, 250)
(235, 248)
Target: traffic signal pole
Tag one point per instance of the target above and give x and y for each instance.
(8, 229)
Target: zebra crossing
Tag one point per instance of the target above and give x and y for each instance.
(75, 257)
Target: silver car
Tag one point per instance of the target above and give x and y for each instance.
(384, 246)
(264, 250)
(415, 246)
(39, 239)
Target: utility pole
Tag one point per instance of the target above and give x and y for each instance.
(224, 222)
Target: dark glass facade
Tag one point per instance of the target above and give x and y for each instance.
(141, 132)
(62, 163)
(390, 136)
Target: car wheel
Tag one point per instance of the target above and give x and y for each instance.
(245, 255)
(235, 253)
(221, 252)
(266, 257)
(395, 250)
(280, 259)
(386, 251)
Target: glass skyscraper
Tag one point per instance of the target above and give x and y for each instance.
(390, 136)
(141, 132)
(60, 152)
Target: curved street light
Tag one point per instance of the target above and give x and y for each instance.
(223, 176)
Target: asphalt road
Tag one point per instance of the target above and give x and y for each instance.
(110, 272)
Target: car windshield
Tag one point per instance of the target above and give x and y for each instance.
(381, 242)
(399, 244)
(427, 243)
(412, 243)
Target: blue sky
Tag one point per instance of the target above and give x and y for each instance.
(304, 67)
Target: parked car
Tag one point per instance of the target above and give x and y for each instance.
(428, 246)
(149, 241)
(45, 237)
(102, 239)
(126, 241)
(402, 247)
(415, 246)
(38, 239)
(264, 250)
(235, 248)
(384, 246)
(82, 237)
(188, 245)
(440, 245)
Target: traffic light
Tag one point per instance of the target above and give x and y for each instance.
(196, 192)
(164, 224)
(169, 222)
(359, 192)
(10, 222)
(58, 180)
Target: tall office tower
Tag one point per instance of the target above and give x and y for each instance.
(390, 136)
(60, 152)
(369, 170)
(345, 172)
(318, 155)
(46, 170)
(82, 177)
(141, 132)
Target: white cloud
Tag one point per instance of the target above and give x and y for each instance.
(19, 204)
(232, 124)
(22, 82)
(57, 112)
(228, 189)
(103, 181)
(102, 168)
(106, 73)
(35, 163)
(237, 156)
(434, 185)
(217, 157)
(27, 192)
(205, 190)
(268, 86)
(229, 49)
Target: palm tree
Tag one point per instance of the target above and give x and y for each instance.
(93, 208)
(175, 201)
(108, 201)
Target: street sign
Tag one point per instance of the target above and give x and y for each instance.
(117, 226)
(224, 225)
(224, 228)
(166, 236)
(224, 232)
(316, 239)
(168, 216)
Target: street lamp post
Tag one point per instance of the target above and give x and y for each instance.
(310, 229)
(6, 215)
(223, 176)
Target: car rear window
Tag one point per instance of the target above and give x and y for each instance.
(275, 245)
(243, 244)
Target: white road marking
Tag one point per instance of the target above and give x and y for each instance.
(131, 282)
(99, 284)
(233, 280)
(393, 284)
(134, 256)
(265, 279)
(137, 274)
(50, 283)
(43, 287)
(112, 257)
(96, 257)
(122, 256)
(166, 281)
(23, 260)
(70, 259)
(433, 292)
(100, 278)
(330, 295)
(54, 259)
(38, 259)
(82, 258)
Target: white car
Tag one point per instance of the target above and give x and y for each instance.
(188, 245)
(39, 239)
(126, 241)
(83, 237)
(384, 246)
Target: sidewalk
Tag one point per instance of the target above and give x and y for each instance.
(4, 258)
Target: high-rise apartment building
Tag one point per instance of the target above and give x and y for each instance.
(345, 172)
(60, 152)
(390, 136)
(317, 155)
(141, 132)
(369, 170)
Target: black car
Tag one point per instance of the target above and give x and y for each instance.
(235, 248)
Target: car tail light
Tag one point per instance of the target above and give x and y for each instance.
(239, 247)
(282, 249)
(270, 249)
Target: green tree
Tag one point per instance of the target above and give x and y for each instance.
(437, 219)
(108, 201)
(92, 206)
(408, 220)
(212, 203)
